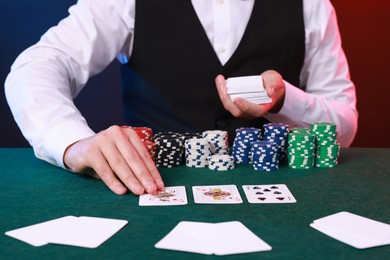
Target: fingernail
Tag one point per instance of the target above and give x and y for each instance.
(138, 189)
(159, 183)
(120, 190)
(151, 187)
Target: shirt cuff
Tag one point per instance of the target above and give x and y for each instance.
(293, 109)
(58, 138)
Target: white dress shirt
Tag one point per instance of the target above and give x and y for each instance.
(46, 77)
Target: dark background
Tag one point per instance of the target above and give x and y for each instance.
(364, 27)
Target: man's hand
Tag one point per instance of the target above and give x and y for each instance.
(273, 84)
(119, 158)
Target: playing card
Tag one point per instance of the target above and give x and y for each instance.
(169, 196)
(217, 194)
(250, 88)
(224, 238)
(271, 193)
(354, 230)
(188, 236)
(88, 232)
(37, 235)
(76, 231)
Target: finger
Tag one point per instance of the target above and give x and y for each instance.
(147, 159)
(120, 168)
(227, 103)
(102, 168)
(139, 161)
(271, 81)
(249, 109)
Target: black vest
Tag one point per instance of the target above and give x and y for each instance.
(168, 83)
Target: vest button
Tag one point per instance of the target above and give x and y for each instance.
(221, 123)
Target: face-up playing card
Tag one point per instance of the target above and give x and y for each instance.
(169, 196)
(273, 193)
(217, 194)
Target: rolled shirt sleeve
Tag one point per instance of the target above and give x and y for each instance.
(46, 77)
(329, 94)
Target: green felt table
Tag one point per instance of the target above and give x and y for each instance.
(33, 191)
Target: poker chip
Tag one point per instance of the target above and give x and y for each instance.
(296, 130)
(146, 136)
(328, 148)
(170, 149)
(221, 162)
(197, 152)
(144, 133)
(152, 149)
(241, 150)
(187, 136)
(265, 155)
(218, 141)
(278, 134)
(301, 149)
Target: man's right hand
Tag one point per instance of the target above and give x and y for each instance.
(119, 158)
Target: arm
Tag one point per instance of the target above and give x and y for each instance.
(46, 77)
(329, 95)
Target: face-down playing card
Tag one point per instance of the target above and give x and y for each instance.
(273, 193)
(83, 231)
(223, 238)
(216, 194)
(169, 196)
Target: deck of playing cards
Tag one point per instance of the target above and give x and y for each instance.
(87, 232)
(354, 230)
(250, 88)
(224, 238)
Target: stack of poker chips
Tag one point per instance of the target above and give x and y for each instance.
(146, 136)
(186, 137)
(265, 156)
(221, 162)
(144, 133)
(301, 149)
(169, 149)
(328, 149)
(277, 133)
(241, 149)
(218, 141)
(197, 152)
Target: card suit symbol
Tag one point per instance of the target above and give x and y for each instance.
(267, 190)
(274, 187)
(259, 193)
(280, 198)
(261, 198)
(256, 188)
(277, 192)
